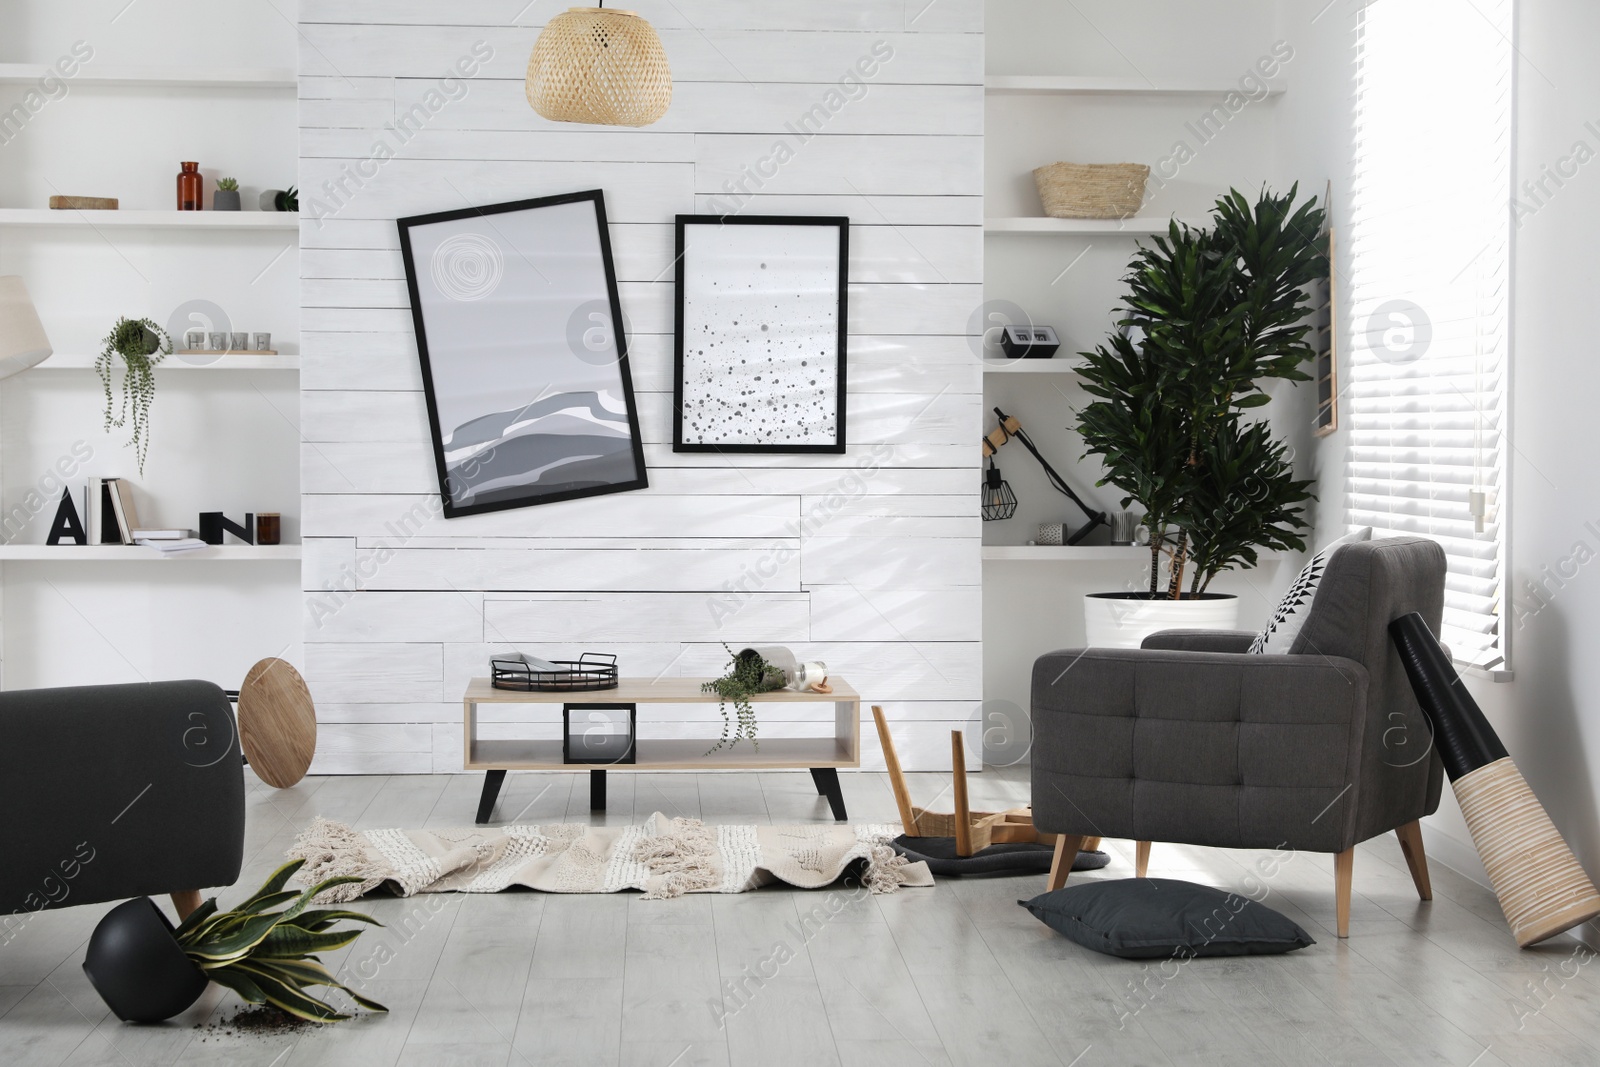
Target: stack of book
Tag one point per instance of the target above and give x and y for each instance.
(168, 545)
(111, 519)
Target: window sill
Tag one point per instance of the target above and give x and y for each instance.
(1496, 674)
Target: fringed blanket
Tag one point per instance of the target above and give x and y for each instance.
(663, 857)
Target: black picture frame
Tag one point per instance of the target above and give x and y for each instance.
(629, 756)
(684, 263)
(433, 362)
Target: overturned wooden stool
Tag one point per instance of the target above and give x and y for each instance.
(973, 831)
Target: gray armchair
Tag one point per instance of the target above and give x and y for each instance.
(1188, 740)
(117, 791)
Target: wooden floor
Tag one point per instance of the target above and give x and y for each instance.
(957, 974)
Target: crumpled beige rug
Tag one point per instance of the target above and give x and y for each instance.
(663, 857)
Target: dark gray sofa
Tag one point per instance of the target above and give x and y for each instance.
(1188, 740)
(117, 791)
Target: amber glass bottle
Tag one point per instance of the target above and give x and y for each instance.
(191, 187)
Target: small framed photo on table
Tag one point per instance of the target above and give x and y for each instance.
(759, 341)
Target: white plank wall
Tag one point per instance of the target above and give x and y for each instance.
(869, 561)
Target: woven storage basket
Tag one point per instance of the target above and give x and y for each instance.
(599, 66)
(1091, 190)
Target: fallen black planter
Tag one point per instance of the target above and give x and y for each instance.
(136, 965)
(1540, 885)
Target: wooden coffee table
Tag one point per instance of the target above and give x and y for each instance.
(822, 756)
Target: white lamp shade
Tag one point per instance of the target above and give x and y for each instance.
(22, 339)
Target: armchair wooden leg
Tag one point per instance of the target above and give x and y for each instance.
(1141, 860)
(1343, 869)
(185, 901)
(1067, 847)
(1090, 844)
(1410, 836)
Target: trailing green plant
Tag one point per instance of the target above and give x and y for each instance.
(140, 344)
(288, 200)
(228, 185)
(1209, 315)
(747, 675)
(269, 957)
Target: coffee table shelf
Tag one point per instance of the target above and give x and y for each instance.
(822, 756)
(672, 754)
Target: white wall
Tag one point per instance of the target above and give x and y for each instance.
(1073, 283)
(221, 440)
(886, 590)
(1549, 715)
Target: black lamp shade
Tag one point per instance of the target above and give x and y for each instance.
(999, 502)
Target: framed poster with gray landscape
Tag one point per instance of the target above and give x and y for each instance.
(759, 343)
(524, 358)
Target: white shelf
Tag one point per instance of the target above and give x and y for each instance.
(1069, 553)
(1049, 84)
(1085, 554)
(178, 220)
(1032, 366)
(175, 361)
(1134, 227)
(138, 553)
(177, 77)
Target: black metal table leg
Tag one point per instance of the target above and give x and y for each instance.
(597, 790)
(492, 782)
(827, 779)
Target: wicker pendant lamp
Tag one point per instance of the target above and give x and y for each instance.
(602, 67)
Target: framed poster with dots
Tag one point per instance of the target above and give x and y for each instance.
(759, 341)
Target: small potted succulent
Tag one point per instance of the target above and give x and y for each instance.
(146, 970)
(748, 674)
(226, 198)
(139, 344)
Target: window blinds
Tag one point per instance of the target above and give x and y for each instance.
(1429, 295)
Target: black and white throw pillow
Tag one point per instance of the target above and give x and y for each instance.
(1290, 614)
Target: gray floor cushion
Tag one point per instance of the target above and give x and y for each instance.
(1147, 918)
(939, 853)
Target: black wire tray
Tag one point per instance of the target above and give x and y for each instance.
(588, 673)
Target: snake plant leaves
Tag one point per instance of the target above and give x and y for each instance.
(269, 957)
(291, 942)
(233, 944)
(240, 983)
(319, 920)
(289, 996)
(276, 882)
(196, 917)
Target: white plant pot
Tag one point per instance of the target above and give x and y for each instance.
(1124, 620)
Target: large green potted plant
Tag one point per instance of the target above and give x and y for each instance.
(1210, 316)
